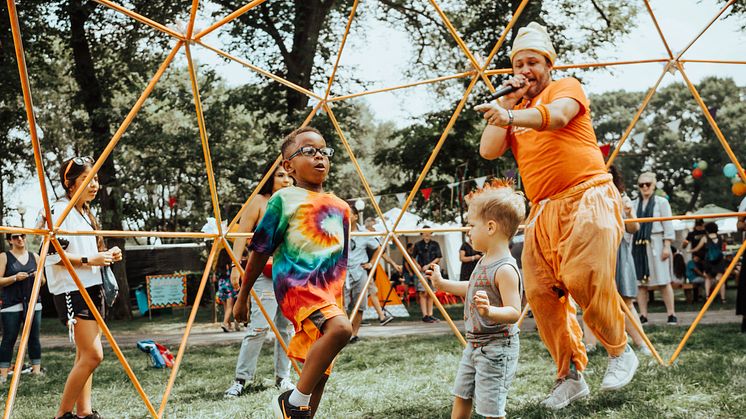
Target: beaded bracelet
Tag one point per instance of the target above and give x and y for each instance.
(544, 117)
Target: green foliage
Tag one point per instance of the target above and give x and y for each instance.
(670, 154)
(478, 23)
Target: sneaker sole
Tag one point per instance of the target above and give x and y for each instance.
(584, 393)
(387, 321)
(627, 380)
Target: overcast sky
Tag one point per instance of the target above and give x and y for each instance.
(382, 54)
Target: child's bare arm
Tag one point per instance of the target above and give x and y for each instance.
(454, 287)
(699, 245)
(506, 280)
(254, 267)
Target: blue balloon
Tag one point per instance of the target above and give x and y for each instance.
(730, 170)
(694, 166)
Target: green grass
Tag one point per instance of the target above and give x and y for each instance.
(411, 378)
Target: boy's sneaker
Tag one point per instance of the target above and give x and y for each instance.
(284, 410)
(67, 415)
(434, 319)
(565, 391)
(427, 319)
(672, 320)
(386, 320)
(644, 350)
(284, 384)
(235, 390)
(620, 371)
(94, 415)
(643, 319)
(354, 339)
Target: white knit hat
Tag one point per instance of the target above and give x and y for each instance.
(534, 37)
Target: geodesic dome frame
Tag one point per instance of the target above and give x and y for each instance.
(672, 62)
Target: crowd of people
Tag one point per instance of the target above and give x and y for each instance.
(309, 271)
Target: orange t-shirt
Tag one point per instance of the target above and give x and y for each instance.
(552, 161)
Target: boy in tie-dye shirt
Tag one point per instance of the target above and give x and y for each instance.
(306, 231)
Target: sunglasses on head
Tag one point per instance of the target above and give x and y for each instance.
(80, 161)
(644, 184)
(17, 236)
(310, 151)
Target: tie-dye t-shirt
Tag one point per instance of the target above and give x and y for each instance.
(307, 233)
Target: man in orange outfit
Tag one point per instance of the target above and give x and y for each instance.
(575, 224)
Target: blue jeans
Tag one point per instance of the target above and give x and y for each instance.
(257, 330)
(12, 325)
(485, 374)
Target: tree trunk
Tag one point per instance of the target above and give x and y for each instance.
(91, 96)
(307, 24)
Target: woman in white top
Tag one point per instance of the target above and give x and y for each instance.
(87, 255)
(17, 275)
(651, 247)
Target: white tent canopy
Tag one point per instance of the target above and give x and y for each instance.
(450, 243)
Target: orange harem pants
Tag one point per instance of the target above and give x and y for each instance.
(571, 243)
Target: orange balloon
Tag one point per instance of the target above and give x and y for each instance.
(739, 189)
(697, 173)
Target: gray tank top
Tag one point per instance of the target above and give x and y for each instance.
(478, 329)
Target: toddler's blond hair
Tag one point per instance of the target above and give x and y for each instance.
(498, 201)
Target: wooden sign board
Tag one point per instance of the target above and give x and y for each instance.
(166, 291)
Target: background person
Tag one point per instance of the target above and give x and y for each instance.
(651, 248)
(741, 296)
(258, 327)
(692, 239)
(383, 318)
(714, 259)
(468, 257)
(17, 275)
(426, 252)
(226, 293)
(87, 254)
(358, 265)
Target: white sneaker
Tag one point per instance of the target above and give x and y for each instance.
(234, 390)
(285, 384)
(644, 350)
(565, 391)
(620, 371)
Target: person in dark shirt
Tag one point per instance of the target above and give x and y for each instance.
(426, 252)
(468, 257)
(693, 238)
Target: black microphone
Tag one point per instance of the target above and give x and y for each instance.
(505, 90)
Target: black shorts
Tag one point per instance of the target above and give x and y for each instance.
(72, 305)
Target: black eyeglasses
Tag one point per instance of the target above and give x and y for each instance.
(310, 151)
(17, 236)
(644, 184)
